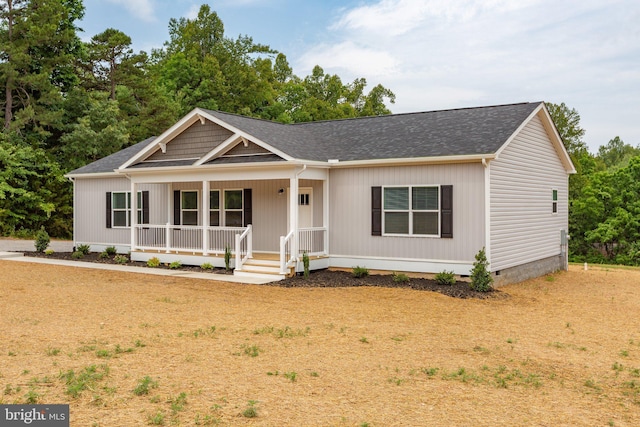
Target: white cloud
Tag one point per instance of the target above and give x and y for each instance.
(353, 59)
(142, 9)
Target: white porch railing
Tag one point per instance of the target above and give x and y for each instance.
(188, 238)
(286, 258)
(312, 241)
(244, 247)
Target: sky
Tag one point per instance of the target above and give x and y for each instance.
(436, 54)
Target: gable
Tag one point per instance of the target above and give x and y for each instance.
(193, 143)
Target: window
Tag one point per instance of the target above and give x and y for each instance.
(233, 208)
(303, 199)
(411, 210)
(214, 208)
(189, 207)
(554, 204)
(121, 209)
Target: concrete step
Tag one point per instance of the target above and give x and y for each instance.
(256, 275)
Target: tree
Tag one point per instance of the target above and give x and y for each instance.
(616, 153)
(106, 51)
(567, 121)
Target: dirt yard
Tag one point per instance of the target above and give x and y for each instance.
(127, 350)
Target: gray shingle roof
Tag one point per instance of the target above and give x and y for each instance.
(115, 160)
(466, 131)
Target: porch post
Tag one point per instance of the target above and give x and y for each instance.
(169, 213)
(134, 214)
(293, 213)
(325, 213)
(206, 201)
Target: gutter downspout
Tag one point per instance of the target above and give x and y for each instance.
(487, 210)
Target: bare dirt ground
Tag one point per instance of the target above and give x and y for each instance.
(561, 350)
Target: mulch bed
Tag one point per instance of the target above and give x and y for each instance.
(316, 279)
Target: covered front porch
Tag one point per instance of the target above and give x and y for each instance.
(273, 215)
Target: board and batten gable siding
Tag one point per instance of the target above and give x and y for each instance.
(523, 227)
(90, 209)
(350, 212)
(197, 140)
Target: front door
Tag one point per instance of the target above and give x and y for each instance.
(305, 208)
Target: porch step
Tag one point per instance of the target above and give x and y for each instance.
(262, 268)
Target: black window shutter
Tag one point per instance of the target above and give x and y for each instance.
(176, 207)
(248, 207)
(446, 211)
(145, 207)
(376, 211)
(108, 209)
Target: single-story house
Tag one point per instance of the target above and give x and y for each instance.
(419, 192)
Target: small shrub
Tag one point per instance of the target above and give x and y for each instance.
(446, 278)
(227, 258)
(49, 252)
(157, 419)
(481, 279)
(360, 272)
(42, 240)
(305, 263)
(175, 265)
(103, 255)
(206, 266)
(251, 411)
(153, 262)
(400, 277)
(77, 255)
(84, 249)
(111, 250)
(121, 259)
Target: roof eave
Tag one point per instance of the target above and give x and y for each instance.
(466, 158)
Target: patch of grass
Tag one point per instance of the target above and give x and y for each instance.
(157, 419)
(364, 340)
(32, 396)
(430, 372)
(624, 353)
(178, 402)
(251, 411)
(480, 349)
(288, 332)
(84, 380)
(144, 385)
(204, 332)
(53, 351)
(252, 351)
(139, 344)
(104, 354)
(291, 376)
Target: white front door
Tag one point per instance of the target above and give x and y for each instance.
(305, 208)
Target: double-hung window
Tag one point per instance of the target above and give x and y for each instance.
(233, 208)
(121, 209)
(554, 203)
(189, 207)
(411, 210)
(214, 208)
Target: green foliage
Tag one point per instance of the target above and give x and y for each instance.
(49, 252)
(227, 258)
(144, 386)
(305, 263)
(103, 255)
(206, 266)
(42, 240)
(84, 380)
(111, 250)
(120, 259)
(77, 255)
(153, 262)
(400, 277)
(251, 411)
(84, 249)
(481, 279)
(175, 265)
(360, 272)
(446, 278)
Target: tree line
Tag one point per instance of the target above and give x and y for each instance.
(67, 103)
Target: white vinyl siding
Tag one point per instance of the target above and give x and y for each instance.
(90, 209)
(350, 212)
(523, 178)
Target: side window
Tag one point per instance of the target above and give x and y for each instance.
(554, 203)
(120, 209)
(412, 211)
